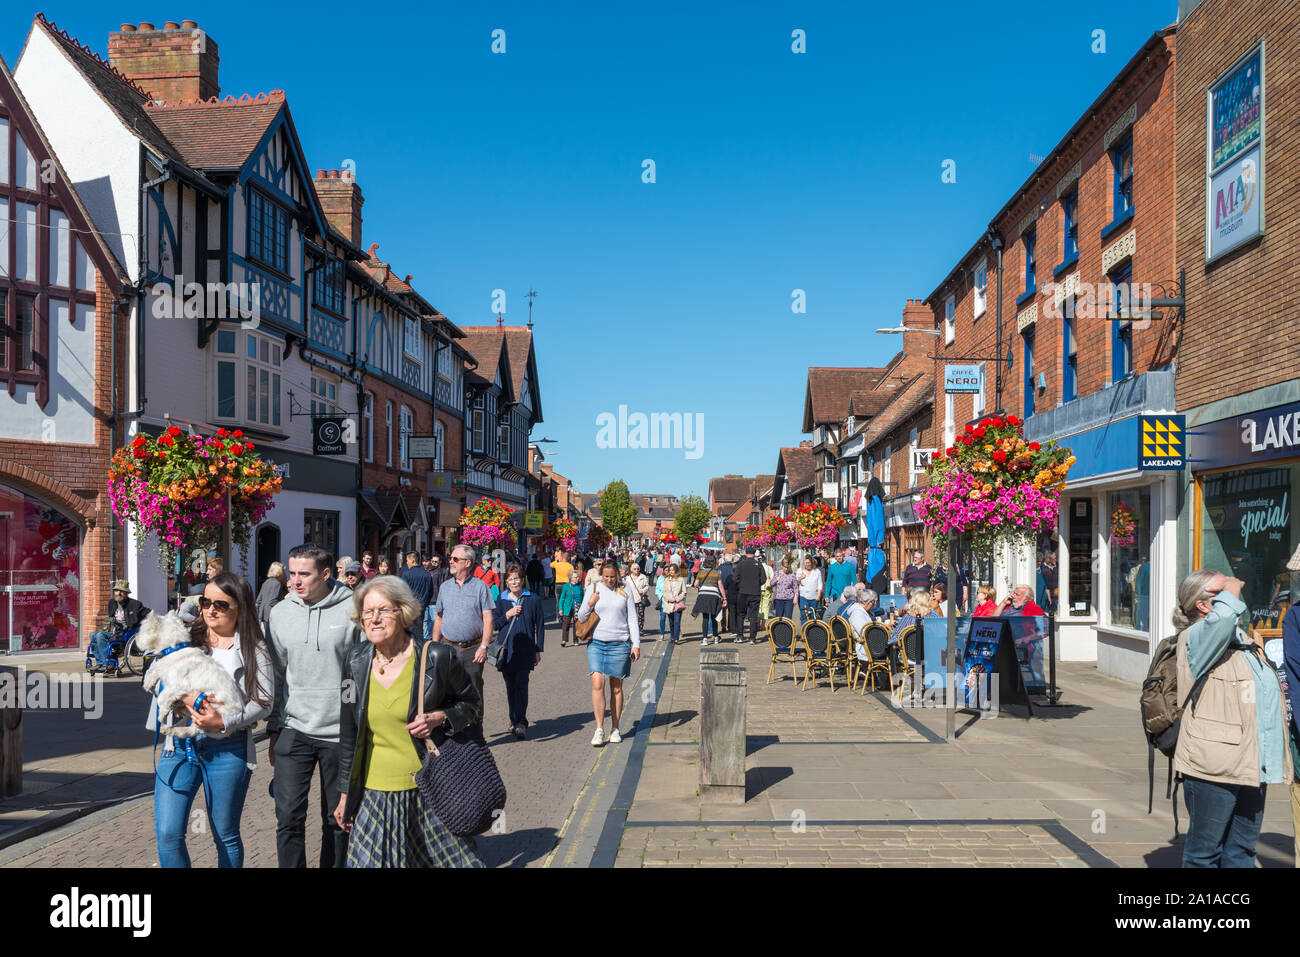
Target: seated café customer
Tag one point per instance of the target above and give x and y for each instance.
(1019, 602)
(988, 602)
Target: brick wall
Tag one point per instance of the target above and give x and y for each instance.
(1241, 307)
(73, 478)
(1149, 89)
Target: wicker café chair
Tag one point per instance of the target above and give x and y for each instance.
(782, 637)
(909, 649)
(840, 655)
(873, 657)
(817, 642)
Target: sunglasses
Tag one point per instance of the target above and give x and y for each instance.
(220, 604)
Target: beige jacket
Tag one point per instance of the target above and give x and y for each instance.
(674, 591)
(1218, 738)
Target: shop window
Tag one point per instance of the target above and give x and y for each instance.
(1129, 528)
(40, 572)
(1082, 585)
(1248, 530)
(1047, 586)
(321, 528)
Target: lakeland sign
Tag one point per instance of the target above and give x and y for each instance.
(1255, 437)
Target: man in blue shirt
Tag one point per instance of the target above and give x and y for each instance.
(418, 579)
(839, 576)
(461, 615)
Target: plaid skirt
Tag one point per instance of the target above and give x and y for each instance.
(396, 829)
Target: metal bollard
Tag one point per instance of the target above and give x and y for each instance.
(722, 734)
(11, 732)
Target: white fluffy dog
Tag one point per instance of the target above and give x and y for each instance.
(181, 672)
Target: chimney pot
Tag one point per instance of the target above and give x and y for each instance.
(170, 72)
(334, 174)
(320, 174)
(171, 25)
(373, 247)
(188, 25)
(146, 25)
(407, 280)
(128, 28)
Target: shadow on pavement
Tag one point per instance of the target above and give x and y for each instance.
(548, 729)
(758, 780)
(517, 848)
(674, 718)
(111, 717)
(757, 742)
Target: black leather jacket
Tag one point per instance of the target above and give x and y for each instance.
(447, 687)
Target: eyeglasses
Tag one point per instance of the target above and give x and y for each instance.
(220, 604)
(376, 614)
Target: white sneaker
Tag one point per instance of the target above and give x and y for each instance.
(615, 737)
(598, 738)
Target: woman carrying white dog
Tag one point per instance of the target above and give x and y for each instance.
(223, 755)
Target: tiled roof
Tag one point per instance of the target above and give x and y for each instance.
(217, 134)
(799, 468)
(863, 402)
(906, 402)
(741, 513)
(729, 488)
(519, 343)
(484, 344)
(122, 96)
(827, 396)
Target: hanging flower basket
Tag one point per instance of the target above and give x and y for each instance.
(565, 534)
(486, 524)
(993, 488)
(756, 536)
(1123, 527)
(817, 525)
(177, 487)
(597, 538)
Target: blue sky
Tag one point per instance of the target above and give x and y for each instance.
(775, 171)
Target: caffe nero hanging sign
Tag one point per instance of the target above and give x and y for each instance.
(1255, 437)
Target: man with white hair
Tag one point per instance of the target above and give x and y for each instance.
(860, 612)
(1020, 602)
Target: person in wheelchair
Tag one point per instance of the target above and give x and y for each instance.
(108, 642)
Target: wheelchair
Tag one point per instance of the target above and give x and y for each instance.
(123, 654)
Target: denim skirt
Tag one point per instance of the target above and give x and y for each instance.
(613, 658)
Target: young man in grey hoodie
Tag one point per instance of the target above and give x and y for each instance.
(310, 635)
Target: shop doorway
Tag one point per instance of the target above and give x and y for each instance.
(268, 551)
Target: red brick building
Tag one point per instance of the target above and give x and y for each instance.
(1057, 284)
(1238, 182)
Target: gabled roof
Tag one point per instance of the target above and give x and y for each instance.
(862, 402)
(122, 96)
(729, 488)
(79, 219)
(826, 398)
(487, 345)
(217, 134)
(523, 363)
(798, 467)
(914, 396)
(740, 513)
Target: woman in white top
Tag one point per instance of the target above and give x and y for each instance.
(615, 644)
(223, 756)
(810, 589)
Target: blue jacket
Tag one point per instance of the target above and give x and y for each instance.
(525, 632)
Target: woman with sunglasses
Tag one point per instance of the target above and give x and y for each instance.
(223, 756)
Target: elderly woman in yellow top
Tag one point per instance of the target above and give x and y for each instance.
(384, 723)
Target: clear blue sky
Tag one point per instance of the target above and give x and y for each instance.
(775, 171)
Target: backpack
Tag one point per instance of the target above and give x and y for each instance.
(1162, 717)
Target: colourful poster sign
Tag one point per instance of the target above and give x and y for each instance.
(1236, 103)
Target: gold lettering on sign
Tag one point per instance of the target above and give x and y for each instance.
(1026, 317)
(1119, 250)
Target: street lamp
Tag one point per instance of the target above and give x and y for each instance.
(899, 330)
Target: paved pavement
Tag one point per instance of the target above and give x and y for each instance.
(842, 779)
(543, 776)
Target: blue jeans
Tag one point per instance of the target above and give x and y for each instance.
(220, 765)
(1223, 823)
(783, 608)
(807, 608)
(99, 642)
(661, 616)
(675, 624)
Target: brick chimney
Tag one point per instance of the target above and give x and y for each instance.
(178, 62)
(918, 345)
(805, 443)
(341, 199)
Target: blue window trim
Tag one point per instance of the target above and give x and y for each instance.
(1122, 220)
(1069, 369)
(1028, 374)
(1070, 227)
(1068, 264)
(1121, 333)
(1025, 297)
(1030, 239)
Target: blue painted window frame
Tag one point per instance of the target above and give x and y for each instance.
(1030, 240)
(1070, 353)
(1121, 158)
(1121, 333)
(1069, 231)
(1028, 373)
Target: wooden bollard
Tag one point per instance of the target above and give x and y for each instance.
(722, 734)
(11, 732)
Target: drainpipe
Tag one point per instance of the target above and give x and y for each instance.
(995, 240)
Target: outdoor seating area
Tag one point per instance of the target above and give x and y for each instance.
(830, 649)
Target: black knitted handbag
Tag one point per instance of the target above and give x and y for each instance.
(459, 782)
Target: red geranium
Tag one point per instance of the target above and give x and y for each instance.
(1012, 420)
(1034, 446)
(999, 456)
(238, 434)
(166, 440)
(139, 441)
(969, 429)
(174, 431)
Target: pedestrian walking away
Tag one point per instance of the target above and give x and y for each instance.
(750, 579)
(271, 593)
(311, 633)
(383, 728)
(709, 603)
(418, 579)
(221, 757)
(461, 615)
(615, 644)
(1233, 737)
(639, 587)
(521, 628)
